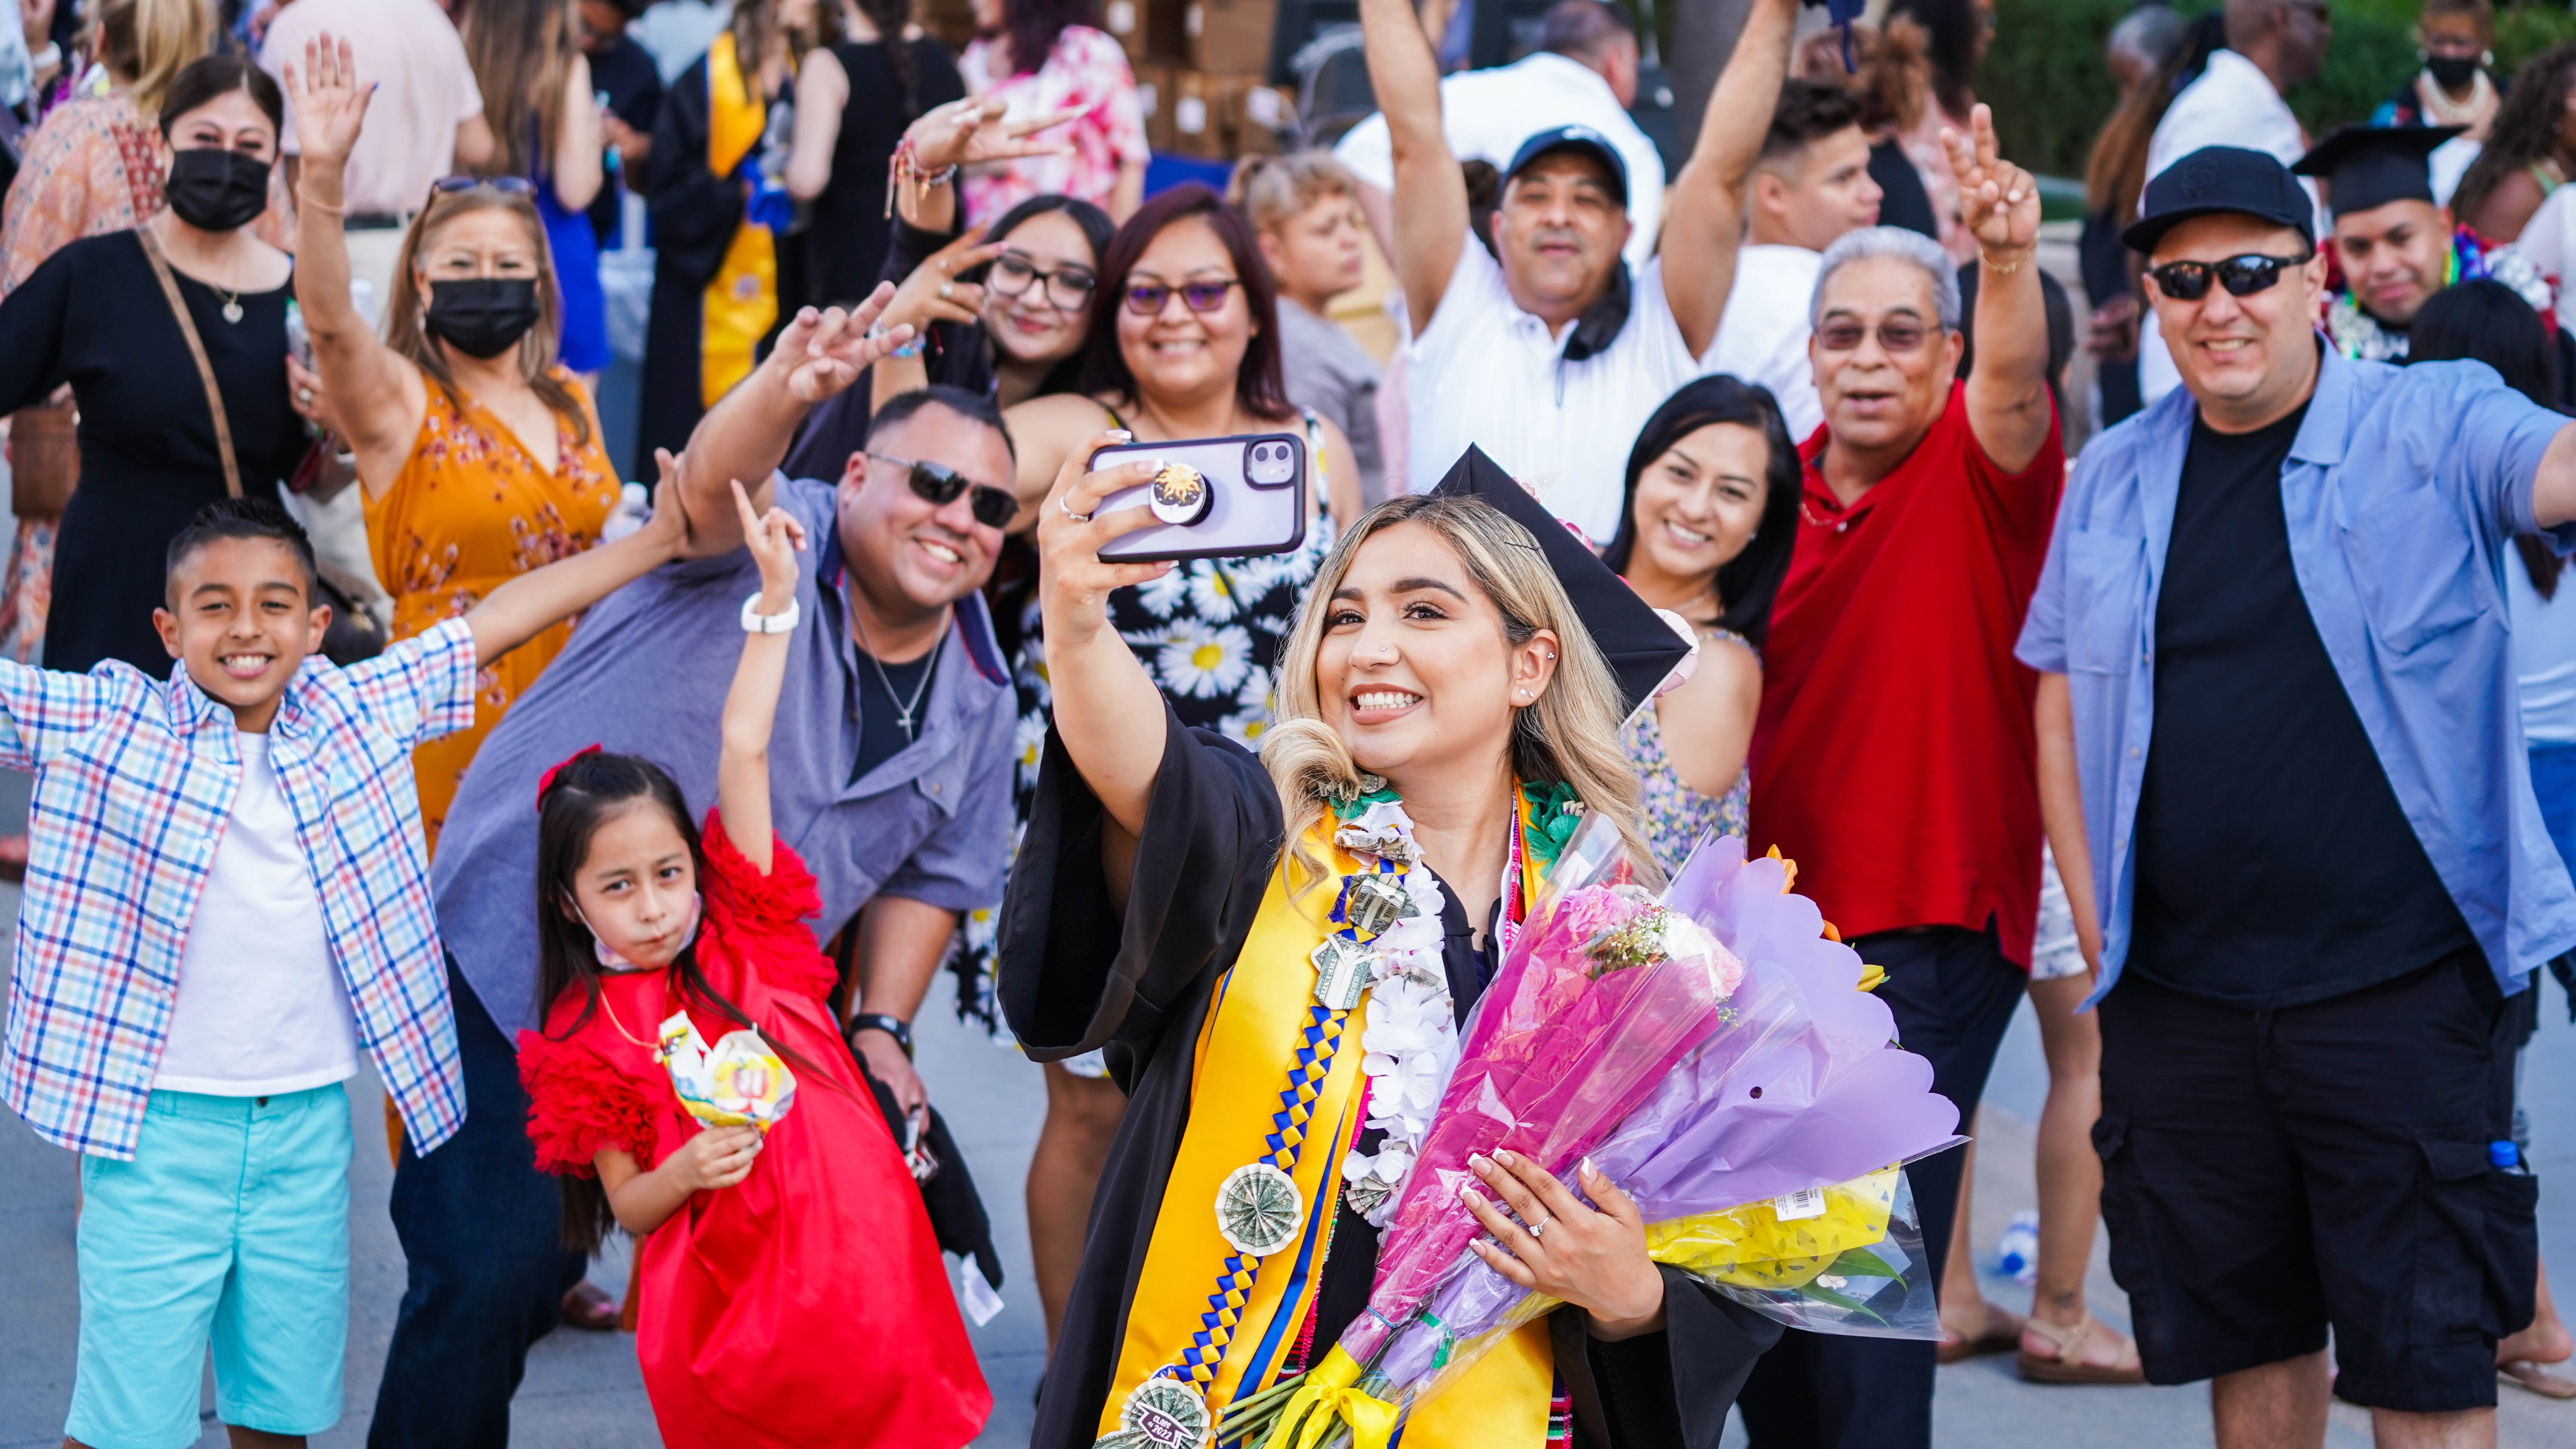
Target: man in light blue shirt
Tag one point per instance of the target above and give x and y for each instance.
(2279, 747)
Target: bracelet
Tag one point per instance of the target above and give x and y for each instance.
(305, 198)
(49, 58)
(905, 167)
(782, 622)
(2004, 269)
(893, 1026)
(919, 343)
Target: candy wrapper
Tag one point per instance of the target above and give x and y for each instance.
(740, 1081)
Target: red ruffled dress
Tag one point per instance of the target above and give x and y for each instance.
(808, 1304)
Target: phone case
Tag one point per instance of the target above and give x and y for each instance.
(1218, 498)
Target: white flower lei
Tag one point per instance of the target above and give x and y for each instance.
(1411, 1037)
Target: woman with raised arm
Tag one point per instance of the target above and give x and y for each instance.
(1168, 896)
(479, 451)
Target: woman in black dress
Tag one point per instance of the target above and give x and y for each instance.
(853, 100)
(95, 316)
(1164, 906)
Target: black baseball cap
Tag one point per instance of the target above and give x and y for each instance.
(2218, 179)
(1573, 138)
(2370, 166)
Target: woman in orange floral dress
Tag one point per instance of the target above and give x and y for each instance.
(479, 453)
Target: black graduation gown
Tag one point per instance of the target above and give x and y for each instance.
(1078, 973)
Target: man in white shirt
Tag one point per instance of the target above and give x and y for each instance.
(1810, 186)
(1545, 353)
(1583, 73)
(2272, 45)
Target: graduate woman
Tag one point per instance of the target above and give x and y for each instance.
(1168, 904)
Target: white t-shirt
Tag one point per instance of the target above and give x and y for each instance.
(1487, 373)
(2232, 104)
(261, 1006)
(407, 49)
(1763, 336)
(2544, 654)
(1487, 114)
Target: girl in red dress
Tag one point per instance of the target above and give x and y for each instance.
(791, 1290)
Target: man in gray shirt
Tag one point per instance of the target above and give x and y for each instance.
(890, 776)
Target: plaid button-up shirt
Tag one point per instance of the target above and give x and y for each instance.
(135, 778)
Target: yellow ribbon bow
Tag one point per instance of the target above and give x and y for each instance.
(1328, 1396)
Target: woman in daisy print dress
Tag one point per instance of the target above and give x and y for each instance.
(1183, 344)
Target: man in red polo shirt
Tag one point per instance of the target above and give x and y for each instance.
(1894, 757)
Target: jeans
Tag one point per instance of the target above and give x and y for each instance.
(481, 1228)
(1952, 993)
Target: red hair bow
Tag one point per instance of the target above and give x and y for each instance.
(546, 781)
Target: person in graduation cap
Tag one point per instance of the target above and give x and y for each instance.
(2393, 246)
(1464, 656)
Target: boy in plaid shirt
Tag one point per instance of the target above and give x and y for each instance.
(227, 897)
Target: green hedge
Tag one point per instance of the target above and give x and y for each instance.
(2051, 92)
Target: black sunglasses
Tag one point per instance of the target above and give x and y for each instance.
(2241, 276)
(508, 185)
(1146, 299)
(940, 484)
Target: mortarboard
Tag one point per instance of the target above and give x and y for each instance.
(1641, 647)
(2370, 166)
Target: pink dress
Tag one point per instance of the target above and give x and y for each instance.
(1086, 72)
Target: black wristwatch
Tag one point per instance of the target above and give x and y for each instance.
(893, 1026)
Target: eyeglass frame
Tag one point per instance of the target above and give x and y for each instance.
(1879, 330)
(1044, 282)
(2262, 278)
(946, 485)
(461, 182)
(1127, 295)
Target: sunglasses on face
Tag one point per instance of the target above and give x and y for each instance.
(2241, 276)
(1068, 288)
(940, 485)
(506, 185)
(1146, 299)
(1895, 334)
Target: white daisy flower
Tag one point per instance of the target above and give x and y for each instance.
(1161, 596)
(1216, 593)
(1202, 662)
(1028, 746)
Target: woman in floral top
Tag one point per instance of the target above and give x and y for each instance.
(1711, 514)
(1031, 54)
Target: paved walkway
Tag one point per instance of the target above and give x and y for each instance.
(583, 1390)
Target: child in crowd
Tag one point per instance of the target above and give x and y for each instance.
(227, 897)
(792, 1292)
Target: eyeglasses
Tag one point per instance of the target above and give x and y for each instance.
(507, 185)
(2241, 276)
(1895, 334)
(939, 484)
(1146, 299)
(1069, 288)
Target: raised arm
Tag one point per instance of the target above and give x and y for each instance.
(966, 133)
(535, 601)
(2553, 489)
(930, 293)
(742, 768)
(377, 398)
(1103, 696)
(2008, 402)
(1704, 219)
(747, 431)
(1431, 224)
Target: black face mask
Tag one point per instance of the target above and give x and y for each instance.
(213, 189)
(2452, 72)
(482, 316)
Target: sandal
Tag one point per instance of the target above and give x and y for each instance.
(2064, 1361)
(2523, 1373)
(2002, 1334)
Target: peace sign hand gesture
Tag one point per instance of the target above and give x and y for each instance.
(329, 103)
(964, 133)
(1998, 201)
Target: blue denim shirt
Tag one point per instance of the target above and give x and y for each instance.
(2402, 492)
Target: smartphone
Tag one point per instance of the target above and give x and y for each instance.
(1214, 497)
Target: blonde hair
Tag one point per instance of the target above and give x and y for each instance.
(1571, 735)
(1271, 189)
(406, 321)
(150, 42)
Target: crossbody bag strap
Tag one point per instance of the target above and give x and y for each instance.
(197, 350)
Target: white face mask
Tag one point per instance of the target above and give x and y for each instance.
(609, 960)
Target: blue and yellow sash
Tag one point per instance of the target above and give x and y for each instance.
(741, 303)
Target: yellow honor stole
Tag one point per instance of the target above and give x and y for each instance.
(1276, 1084)
(740, 304)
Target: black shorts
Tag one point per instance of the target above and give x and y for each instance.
(2267, 1174)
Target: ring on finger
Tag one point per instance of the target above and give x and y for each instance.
(1067, 505)
(1540, 1226)
(947, 290)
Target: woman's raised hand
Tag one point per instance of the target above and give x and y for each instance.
(329, 104)
(933, 294)
(1073, 582)
(668, 526)
(1595, 1260)
(967, 132)
(774, 538)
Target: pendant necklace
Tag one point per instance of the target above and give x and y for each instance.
(903, 710)
(232, 302)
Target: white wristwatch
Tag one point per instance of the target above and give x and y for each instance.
(783, 622)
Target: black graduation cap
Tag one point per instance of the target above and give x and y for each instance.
(1640, 646)
(2367, 166)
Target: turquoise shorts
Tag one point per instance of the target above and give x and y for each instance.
(231, 1225)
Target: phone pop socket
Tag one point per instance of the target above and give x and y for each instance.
(1181, 495)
